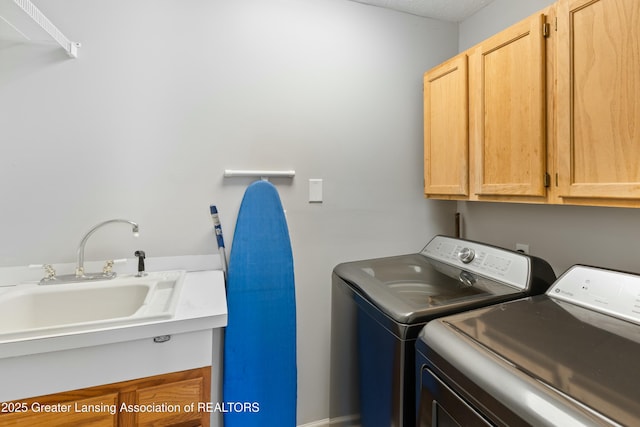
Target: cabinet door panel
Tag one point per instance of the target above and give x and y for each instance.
(598, 92)
(99, 411)
(507, 75)
(446, 139)
(174, 395)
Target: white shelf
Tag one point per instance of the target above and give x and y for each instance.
(22, 21)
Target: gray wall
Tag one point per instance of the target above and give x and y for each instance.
(166, 94)
(496, 16)
(564, 235)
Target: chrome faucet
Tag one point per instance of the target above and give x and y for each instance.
(79, 275)
(80, 266)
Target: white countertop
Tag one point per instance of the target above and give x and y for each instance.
(202, 305)
(118, 353)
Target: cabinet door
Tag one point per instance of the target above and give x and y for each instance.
(598, 92)
(507, 102)
(446, 142)
(176, 391)
(174, 395)
(98, 411)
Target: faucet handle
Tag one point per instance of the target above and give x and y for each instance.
(107, 270)
(49, 272)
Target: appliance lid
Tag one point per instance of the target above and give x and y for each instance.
(417, 287)
(587, 356)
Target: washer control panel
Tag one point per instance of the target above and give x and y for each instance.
(495, 263)
(466, 255)
(611, 292)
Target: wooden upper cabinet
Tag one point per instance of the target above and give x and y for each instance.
(507, 112)
(598, 99)
(551, 120)
(446, 142)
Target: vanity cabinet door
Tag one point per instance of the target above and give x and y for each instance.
(446, 141)
(597, 100)
(507, 112)
(177, 390)
(174, 394)
(59, 411)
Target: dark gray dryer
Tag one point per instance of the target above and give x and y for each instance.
(567, 358)
(380, 305)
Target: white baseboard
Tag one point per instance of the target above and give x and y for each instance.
(319, 423)
(345, 421)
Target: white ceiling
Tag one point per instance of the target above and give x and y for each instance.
(445, 10)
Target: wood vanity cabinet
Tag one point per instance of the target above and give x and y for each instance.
(177, 390)
(598, 108)
(485, 133)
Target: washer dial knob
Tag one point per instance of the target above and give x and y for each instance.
(466, 255)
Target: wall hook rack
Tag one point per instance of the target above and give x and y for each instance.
(262, 174)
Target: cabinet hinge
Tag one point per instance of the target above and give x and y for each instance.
(547, 180)
(546, 29)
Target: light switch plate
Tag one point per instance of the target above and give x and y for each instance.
(315, 190)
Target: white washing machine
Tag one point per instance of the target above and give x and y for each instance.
(568, 358)
(380, 305)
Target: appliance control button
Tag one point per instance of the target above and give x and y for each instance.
(466, 255)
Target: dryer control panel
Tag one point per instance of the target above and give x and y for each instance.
(607, 291)
(495, 263)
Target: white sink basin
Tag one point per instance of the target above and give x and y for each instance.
(30, 310)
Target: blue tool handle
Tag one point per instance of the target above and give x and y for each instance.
(217, 226)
